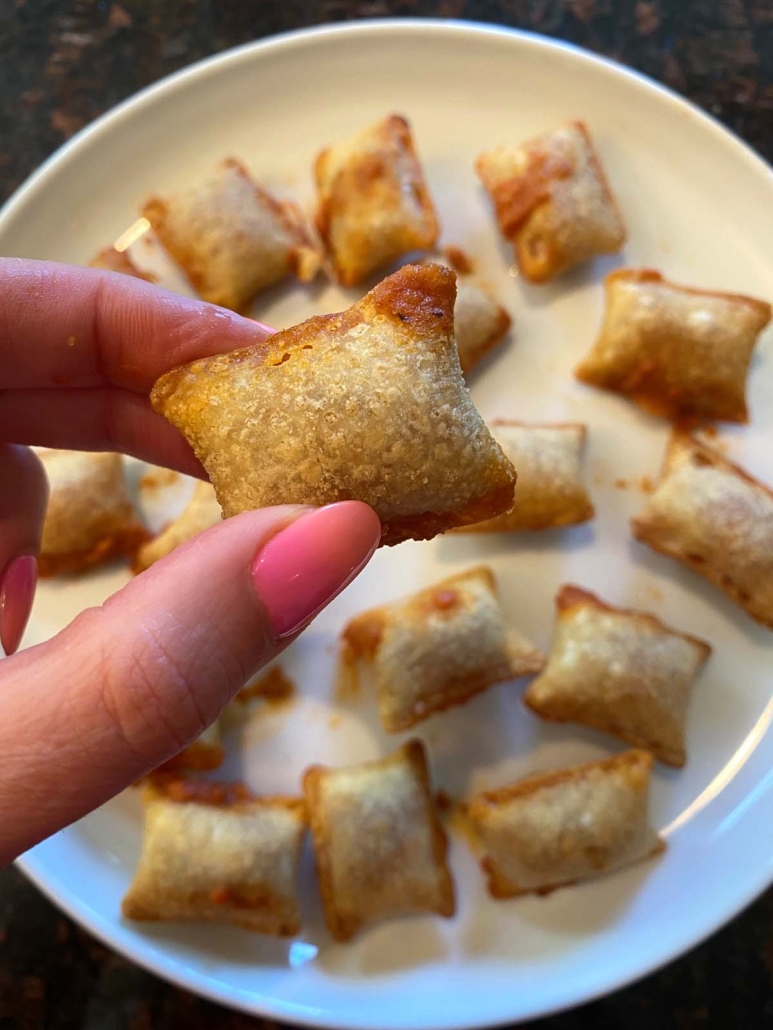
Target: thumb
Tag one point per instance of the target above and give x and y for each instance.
(129, 684)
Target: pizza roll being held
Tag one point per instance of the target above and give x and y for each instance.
(550, 490)
(379, 845)
(232, 238)
(206, 752)
(366, 405)
(552, 201)
(620, 671)
(112, 260)
(673, 350)
(201, 512)
(715, 518)
(437, 648)
(555, 829)
(214, 853)
(480, 322)
(374, 204)
(90, 518)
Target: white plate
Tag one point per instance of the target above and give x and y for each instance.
(699, 206)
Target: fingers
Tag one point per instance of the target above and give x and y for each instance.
(23, 494)
(106, 419)
(128, 685)
(66, 326)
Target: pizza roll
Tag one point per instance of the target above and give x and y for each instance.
(232, 238)
(717, 520)
(90, 518)
(201, 512)
(552, 201)
(480, 323)
(214, 853)
(374, 204)
(623, 672)
(112, 260)
(206, 752)
(379, 845)
(550, 490)
(674, 350)
(437, 648)
(369, 405)
(555, 829)
(273, 686)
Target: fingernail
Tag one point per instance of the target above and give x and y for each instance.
(302, 568)
(17, 592)
(266, 328)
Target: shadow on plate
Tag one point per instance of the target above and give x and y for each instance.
(479, 548)
(376, 952)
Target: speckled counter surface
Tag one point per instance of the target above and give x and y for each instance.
(62, 63)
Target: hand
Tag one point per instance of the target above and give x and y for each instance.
(127, 685)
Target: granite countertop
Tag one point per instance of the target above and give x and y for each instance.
(62, 63)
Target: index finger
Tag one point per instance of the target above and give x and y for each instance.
(64, 326)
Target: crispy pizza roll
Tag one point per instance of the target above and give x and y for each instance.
(90, 518)
(437, 648)
(232, 238)
(620, 671)
(550, 490)
(379, 845)
(213, 852)
(201, 512)
(480, 320)
(675, 350)
(552, 201)
(374, 204)
(369, 405)
(206, 752)
(717, 520)
(555, 829)
(112, 260)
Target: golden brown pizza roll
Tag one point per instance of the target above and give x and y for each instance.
(480, 322)
(437, 648)
(550, 490)
(273, 686)
(374, 204)
(232, 238)
(675, 350)
(90, 518)
(552, 201)
(112, 260)
(717, 520)
(623, 672)
(214, 853)
(555, 829)
(369, 405)
(201, 512)
(206, 752)
(379, 845)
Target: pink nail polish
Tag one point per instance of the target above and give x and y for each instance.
(17, 592)
(302, 568)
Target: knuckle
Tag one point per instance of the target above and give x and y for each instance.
(147, 693)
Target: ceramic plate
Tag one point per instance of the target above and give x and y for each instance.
(699, 206)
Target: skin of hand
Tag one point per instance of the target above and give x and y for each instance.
(129, 684)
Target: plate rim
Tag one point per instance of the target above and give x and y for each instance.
(31, 863)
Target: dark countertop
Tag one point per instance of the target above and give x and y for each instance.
(62, 63)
